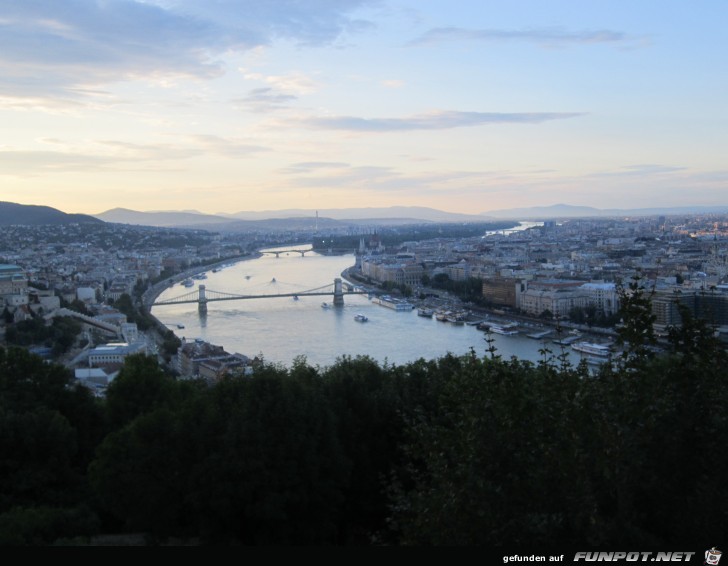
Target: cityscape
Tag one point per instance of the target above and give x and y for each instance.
(365, 273)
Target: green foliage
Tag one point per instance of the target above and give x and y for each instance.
(49, 430)
(455, 451)
(44, 525)
(140, 387)
(125, 304)
(635, 332)
(60, 334)
(469, 290)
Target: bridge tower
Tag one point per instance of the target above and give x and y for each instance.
(338, 293)
(202, 301)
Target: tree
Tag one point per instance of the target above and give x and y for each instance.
(140, 387)
(636, 333)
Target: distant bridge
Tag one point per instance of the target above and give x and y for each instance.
(202, 295)
(279, 252)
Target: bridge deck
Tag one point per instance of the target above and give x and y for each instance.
(185, 299)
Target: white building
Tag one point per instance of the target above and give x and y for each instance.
(114, 353)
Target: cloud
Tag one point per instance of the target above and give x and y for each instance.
(641, 170)
(298, 83)
(545, 37)
(263, 100)
(58, 53)
(115, 155)
(226, 147)
(437, 120)
(393, 83)
(312, 166)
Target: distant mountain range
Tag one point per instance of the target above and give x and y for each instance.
(306, 219)
(570, 211)
(12, 213)
(161, 219)
(297, 218)
(401, 213)
(285, 219)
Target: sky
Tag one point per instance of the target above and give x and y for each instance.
(465, 106)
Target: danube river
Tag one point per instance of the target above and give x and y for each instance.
(282, 329)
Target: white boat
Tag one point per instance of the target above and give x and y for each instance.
(425, 312)
(188, 283)
(508, 329)
(361, 318)
(325, 306)
(601, 350)
(504, 332)
(394, 304)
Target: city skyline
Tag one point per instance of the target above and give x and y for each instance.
(241, 105)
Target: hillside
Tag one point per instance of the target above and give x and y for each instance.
(12, 213)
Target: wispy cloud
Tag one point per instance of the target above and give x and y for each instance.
(58, 52)
(641, 170)
(438, 120)
(312, 166)
(115, 155)
(263, 100)
(546, 37)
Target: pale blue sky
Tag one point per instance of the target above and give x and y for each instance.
(466, 106)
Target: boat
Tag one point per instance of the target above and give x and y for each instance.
(394, 304)
(592, 349)
(248, 276)
(295, 297)
(273, 280)
(442, 315)
(539, 335)
(506, 329)
(188, 283)
(425, 312)
(361, 318)
(456, 318)
(503, 331)
(200, 276)
(325, 305)
(566, 341)
(180, 326)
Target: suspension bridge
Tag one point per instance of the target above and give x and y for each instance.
(202, 295)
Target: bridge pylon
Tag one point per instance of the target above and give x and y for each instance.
(202, 300)
(338, 293)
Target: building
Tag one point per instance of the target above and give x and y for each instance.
(12, 280)
(558, 302)
(503, 291)
(603, 296)
(114, 353)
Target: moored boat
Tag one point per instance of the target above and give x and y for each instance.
(592, 349)
(394, 304)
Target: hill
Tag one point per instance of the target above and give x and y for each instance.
(12, 213)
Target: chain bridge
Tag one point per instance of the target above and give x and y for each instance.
(202, 295)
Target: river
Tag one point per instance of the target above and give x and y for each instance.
(282, 329)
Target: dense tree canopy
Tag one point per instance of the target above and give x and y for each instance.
(454, 451)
